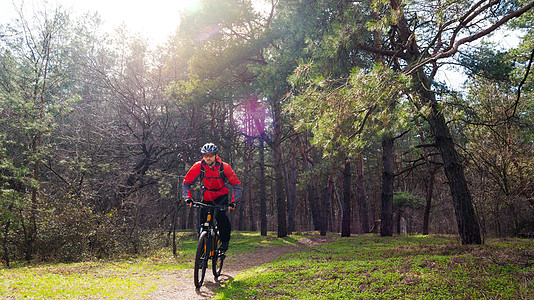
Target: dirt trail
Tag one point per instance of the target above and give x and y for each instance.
(179, 284)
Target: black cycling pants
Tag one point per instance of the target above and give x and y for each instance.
(223, 222)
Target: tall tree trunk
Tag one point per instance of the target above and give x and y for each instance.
(280, 197)
(248, 190)
(310, 197)
(466, 219)
(346, 209)
(310, 190)
(361, 196)
(388, 180)
(278, 169)
(32, 227)
(332, 225)
(428, 204)
(323, 198)
(37, 147)
(339, 223)
(430, 181)
(263, 200)
(5, 239)
(174, 221)
(251, 211)
(468, 226)
(314, 207)
(291, 190)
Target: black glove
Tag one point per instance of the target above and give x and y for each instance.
(188, 201)
(232, 204)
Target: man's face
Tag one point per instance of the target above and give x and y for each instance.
(209, 158)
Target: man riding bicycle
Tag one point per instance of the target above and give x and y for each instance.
(213, 172)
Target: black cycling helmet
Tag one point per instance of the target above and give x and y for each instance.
(209, 148)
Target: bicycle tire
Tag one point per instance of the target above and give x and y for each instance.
(201, 259)
(218, 258)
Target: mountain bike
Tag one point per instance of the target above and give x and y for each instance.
(208, 245)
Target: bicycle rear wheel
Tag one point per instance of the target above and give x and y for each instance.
(218, 258)
(201, 259)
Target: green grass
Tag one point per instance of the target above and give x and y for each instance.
(126, 278)
(121, 279)
(413, 267)
(244, 242)
(360, 267)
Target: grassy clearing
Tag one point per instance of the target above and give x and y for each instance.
(413, 267)
(126, 278)
(364, 267)
(121, 279)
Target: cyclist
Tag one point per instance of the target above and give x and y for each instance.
(213, 172)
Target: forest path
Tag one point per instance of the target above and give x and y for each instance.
(179, 283)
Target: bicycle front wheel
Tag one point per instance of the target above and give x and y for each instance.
(218, 258)
(201, 259)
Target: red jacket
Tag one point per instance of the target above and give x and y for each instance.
(213, 182)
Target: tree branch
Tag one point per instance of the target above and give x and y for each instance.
(454, 48)
(523, 82)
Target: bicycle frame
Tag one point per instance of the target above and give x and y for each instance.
(207, 244)
(209, 223)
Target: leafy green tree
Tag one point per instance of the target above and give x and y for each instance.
(13, 199)
(295, 24)
(33, 78)
(395, 39)
(341, 113)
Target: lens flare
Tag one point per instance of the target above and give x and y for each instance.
(252, 117)
(207, 32)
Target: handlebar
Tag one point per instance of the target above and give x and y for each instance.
(202, 204)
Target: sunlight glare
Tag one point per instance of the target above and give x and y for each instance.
(191, 6)
(155, 19)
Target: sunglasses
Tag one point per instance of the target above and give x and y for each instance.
(209, 155)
